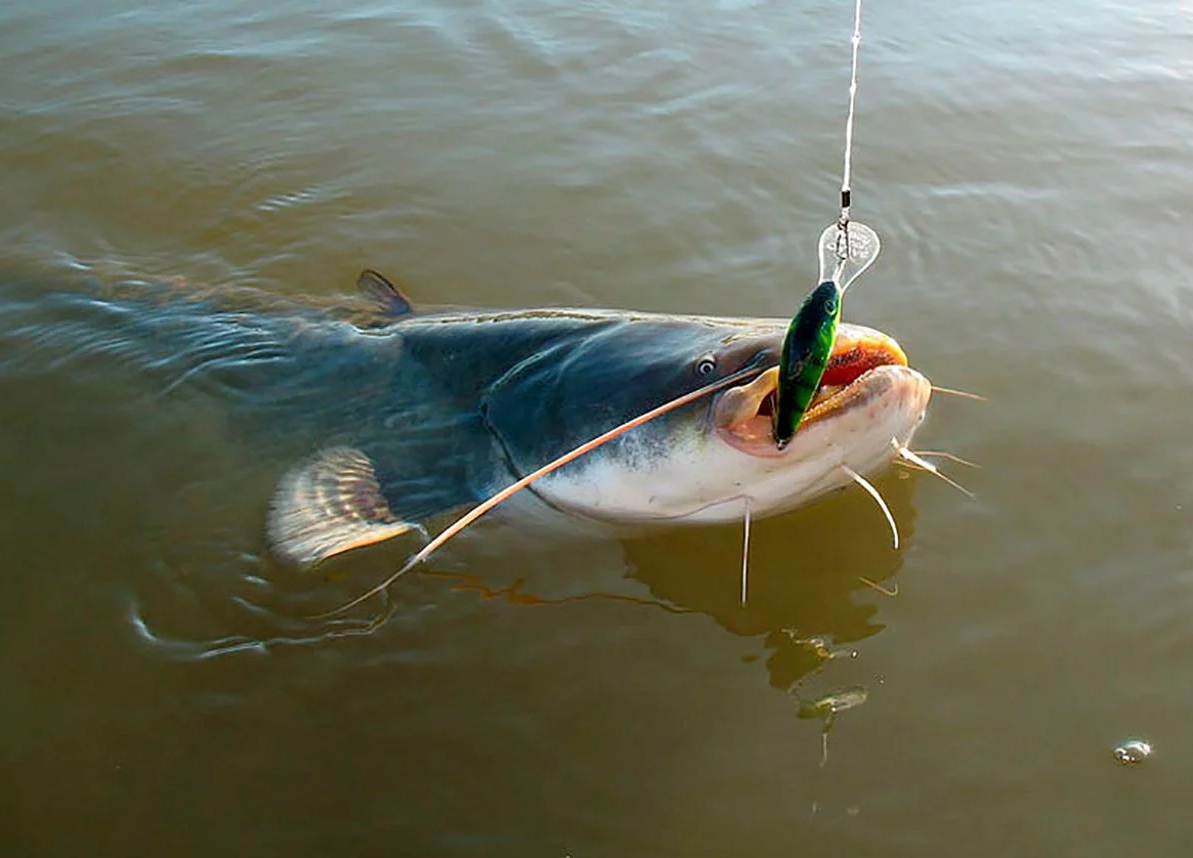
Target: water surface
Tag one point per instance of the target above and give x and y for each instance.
(1027, 166)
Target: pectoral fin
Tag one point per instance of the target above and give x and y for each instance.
(328, 505)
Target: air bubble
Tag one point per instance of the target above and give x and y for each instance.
(1133, 752)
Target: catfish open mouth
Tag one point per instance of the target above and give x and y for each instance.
(744, 415)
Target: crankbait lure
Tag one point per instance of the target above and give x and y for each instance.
(806, 350)
(846, 250)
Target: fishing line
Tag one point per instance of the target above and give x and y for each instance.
(847, 248)
(846, 191)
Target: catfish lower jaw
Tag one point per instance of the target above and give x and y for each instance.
(743, 416)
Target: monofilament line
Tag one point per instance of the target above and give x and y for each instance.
(845, 178)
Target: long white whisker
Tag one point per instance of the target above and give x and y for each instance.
(745, 550)
(948, 456)
(873, 492)
(964, 394)
(891, 591)
(932, 469)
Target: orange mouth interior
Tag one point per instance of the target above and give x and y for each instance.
(745, 413)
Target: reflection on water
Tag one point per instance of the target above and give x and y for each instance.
(797, 599)
(806, 574)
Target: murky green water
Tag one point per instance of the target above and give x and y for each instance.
(1028, 166)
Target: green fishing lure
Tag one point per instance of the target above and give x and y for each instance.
(806, 350)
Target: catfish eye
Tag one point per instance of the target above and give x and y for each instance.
(706, 365)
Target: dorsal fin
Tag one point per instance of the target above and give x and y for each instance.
(330, 504)
(383, 292)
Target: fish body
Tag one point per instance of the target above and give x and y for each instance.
(421, 413)
(506, 392)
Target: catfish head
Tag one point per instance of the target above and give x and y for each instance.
(700, 462)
